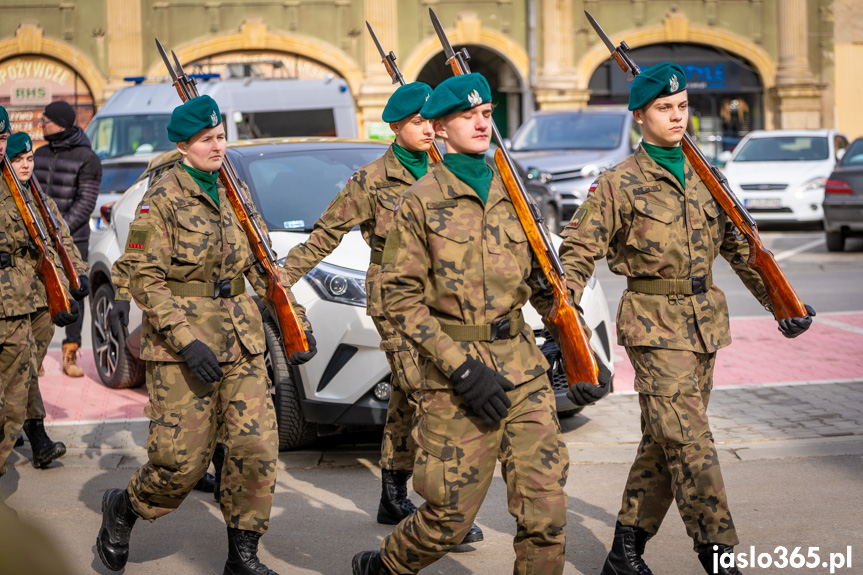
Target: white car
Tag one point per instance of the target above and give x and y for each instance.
(347, 382)
(780, 175)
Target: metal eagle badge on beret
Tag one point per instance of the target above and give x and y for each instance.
(474, 98)
(214, 119)
(673, 83)
(2, 126)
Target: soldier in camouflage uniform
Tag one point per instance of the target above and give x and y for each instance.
(369, 200)
(20, 152)
(659, 226)
(203, 341)
(17, 302)
(462, 271)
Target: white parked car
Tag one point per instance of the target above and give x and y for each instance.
(779, 175)
(347, 383)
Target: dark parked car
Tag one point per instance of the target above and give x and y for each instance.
(843, 198)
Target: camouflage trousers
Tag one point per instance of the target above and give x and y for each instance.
(187, 420)
(398, 448)
(16, 371)
(43, 331)
(456, 458)
(676, 460)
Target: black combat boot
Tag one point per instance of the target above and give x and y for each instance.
(20, 441)
(394, 505)
(474, 535)
(625, 555)
(710, 557)
(368, 563)
(118, 518)
(44, 450)
(207, 483)
(243, 554)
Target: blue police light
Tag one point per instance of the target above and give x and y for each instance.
(136, 79)
(205, 77)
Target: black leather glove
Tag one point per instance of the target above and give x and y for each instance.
(794, 326)
(484, 389)
(80, 294)
(584, 393)
(118, 319)
(300, 357)
(202, 362)
(63, 318)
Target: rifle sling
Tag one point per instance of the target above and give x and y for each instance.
(226, 288)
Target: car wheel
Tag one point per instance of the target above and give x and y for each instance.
(118, 369)
(835, 241)
(294, 431)
(551, 217)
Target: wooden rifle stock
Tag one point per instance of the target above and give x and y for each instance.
(783, 298)
(293, 336)
(58, 301)
(578, 359)
(54, 232)
(579, 363)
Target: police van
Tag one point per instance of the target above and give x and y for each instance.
(134, 120)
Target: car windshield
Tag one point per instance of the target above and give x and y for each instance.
(118, 178)
(569, 132)
(112, 136)
(854, 154)
(292, 189)
(784, 149)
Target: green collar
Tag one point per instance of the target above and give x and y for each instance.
(472, 170)
(206, 180)
(669, 158)
(416, 163)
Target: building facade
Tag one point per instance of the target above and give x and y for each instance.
(750, 63)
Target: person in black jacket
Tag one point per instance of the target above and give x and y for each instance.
(70, 172)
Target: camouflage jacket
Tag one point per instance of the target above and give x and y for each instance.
(459, 262)
(18, 284)
(41, 297)
(638, 216)
(369, 200)
(180, 235)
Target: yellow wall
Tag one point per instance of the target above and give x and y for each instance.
(849, 89)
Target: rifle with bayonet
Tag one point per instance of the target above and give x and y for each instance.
(784, 300)
(58, 300)
(578, 360)
(293, 336)
(54, 232)
(389, 62)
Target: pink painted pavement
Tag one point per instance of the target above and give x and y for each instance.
(758, 355)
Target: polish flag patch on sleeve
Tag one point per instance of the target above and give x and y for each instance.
(593, 186)
(145, 208)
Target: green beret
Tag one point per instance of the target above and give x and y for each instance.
(4, 121)
(456, 94)
(18, 143)
(663, 79)
(406, 101)
(193, 116)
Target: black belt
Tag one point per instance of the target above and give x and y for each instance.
(661, 286)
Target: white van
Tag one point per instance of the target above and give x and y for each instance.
(134, 119)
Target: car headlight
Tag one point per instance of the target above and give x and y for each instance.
(814, 185)
(339, 285)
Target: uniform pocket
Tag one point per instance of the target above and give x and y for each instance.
(433, 466)
(650, 230)
(193, 237)
(161, 446)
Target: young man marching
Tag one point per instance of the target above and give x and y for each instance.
(206, 376)
(659, 226)
(461, 273)
(369, 201)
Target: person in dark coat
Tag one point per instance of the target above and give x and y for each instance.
(70, 172)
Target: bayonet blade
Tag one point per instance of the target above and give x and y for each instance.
(166, 60)
(605, 39)
(376, 41)
(438, 28)
(180, 71)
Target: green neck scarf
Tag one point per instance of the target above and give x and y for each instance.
(669, 158)
(207, 181)
(416, 163)
(472, 170)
